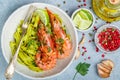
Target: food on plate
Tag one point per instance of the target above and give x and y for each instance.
(109, 39)
(83, 19)
(105, 68)
(62, 42)
(45, 41)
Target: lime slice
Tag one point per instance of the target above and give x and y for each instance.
(85, 24)
(81, 23)
(83, 15)
(77, 20)
(44, 17)
(88, 14)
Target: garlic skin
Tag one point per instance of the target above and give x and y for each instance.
(80, 43)
(105, 68)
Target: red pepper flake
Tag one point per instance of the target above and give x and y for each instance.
(97, 49)
(103, 55)
(83, 53)
(95, 28)
(83, 47)
(89, 57)
(89, 41)
(84, 0)
(84, 4)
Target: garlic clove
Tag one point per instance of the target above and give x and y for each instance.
(103, 68)
(108, 63)
(103, 74)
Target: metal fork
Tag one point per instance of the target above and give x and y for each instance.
(11, 66)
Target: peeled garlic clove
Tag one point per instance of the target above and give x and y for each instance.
(103, 74)
(108, 63)
(103, 68)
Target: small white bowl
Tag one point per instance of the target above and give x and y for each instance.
(74, 13)
(97, 41)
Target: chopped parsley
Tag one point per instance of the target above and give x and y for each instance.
(49, 49)
(60, 41)
(61, 51)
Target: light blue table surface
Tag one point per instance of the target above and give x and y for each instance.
(9, 6)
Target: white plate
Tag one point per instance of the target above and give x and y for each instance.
(10, 27)
(97, 41)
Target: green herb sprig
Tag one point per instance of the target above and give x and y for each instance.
(81, 68)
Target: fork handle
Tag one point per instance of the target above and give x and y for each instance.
(11, 67)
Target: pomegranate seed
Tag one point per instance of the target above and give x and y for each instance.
(89, 41)
(83, 47)
(83, 54)
(85, 51)
(89, 57)
(84, 4)
(97, 49)
(109, 35)
(102, 55)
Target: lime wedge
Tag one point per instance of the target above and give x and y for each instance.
(77, 20)
(44, 17)
(83, 15)
(88, 14)
(85, 24)
(82, 21)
